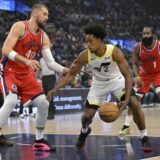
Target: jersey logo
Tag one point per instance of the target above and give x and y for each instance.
(14, 87)
(106, 58)
(32, 43)
(149, 57)
(103, 66)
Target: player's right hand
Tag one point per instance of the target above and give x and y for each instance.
(50, 94)
(35, 65)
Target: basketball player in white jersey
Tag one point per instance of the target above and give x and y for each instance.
(111, 74)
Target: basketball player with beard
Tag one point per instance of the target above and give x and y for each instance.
(146, 69)
(25, 40)
(111, 74)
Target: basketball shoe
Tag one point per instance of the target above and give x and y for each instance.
(125, 130)
(4, 141)
(146, 146)
(42, 145)
(82, 138)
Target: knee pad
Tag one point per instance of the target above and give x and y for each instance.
(7, 107)
(42, 110)
(10, 100)
(41, 102)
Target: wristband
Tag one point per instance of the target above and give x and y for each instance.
(12, 55)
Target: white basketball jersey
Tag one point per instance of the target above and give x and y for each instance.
(104, 68)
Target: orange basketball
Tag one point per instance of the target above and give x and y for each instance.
(108, 112)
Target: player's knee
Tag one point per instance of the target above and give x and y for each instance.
(87, 118)
(41, 102)
(11, 100)
(134, 104)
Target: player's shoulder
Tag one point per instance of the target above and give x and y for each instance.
(137, 45)
(84, 52)
(110, 45)
(19, 26)
(45, 34)
(83, 56)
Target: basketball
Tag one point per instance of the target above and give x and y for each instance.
(108, 112)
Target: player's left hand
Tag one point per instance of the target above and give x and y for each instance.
(138, 81)
(122, 105)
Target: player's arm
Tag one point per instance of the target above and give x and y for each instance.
(47, 55)
(75, 68)
(125, 70)
(136, 63)
(17, 31)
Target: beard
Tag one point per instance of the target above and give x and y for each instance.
(147, 41)
(41, 24)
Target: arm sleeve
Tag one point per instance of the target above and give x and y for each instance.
(47, 55)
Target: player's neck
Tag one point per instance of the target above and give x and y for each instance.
(102, 50)
(33, 26)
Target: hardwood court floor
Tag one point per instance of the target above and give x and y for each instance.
(103, 143)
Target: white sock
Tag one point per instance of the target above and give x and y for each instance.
(128, 120)
(84, 130)
(143, 133)
(39, 134)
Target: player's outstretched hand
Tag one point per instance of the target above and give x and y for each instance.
(66, 70)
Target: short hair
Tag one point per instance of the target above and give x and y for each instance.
(151, 28)
(95, 29)
(38, 6)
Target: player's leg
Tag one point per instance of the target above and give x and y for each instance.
(35, 93)
(139, 119)
(10, 99)
(125, 130)
(41, 118)
(118, 92)
(95, 97)
(140, 92)
(86, 120)
(156, 84)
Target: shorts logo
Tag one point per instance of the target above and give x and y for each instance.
(14, 87)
